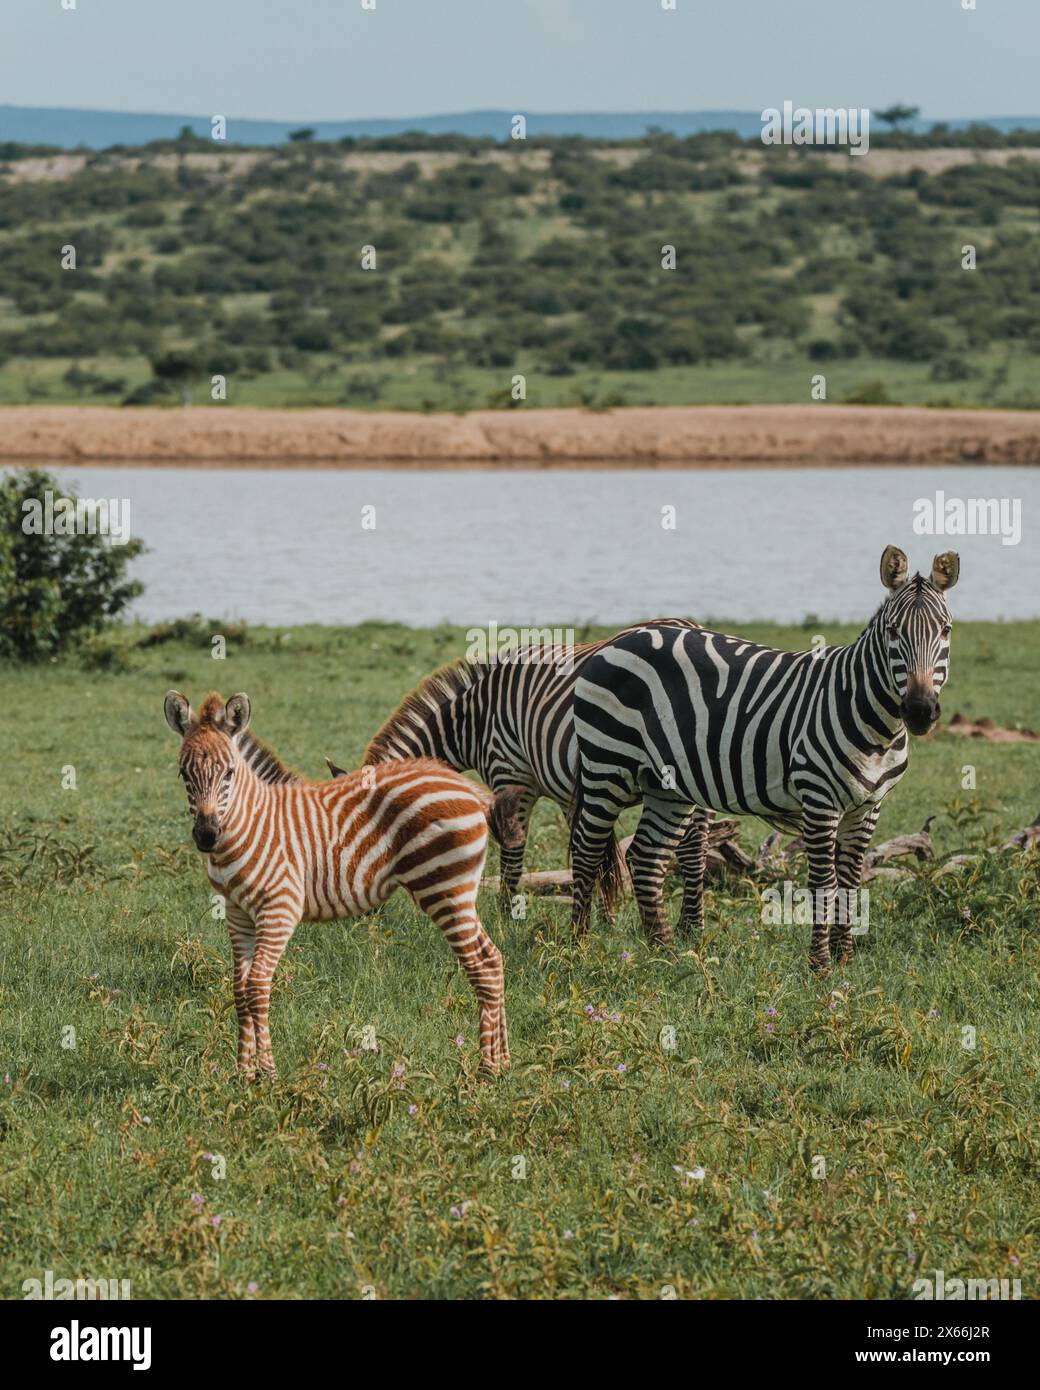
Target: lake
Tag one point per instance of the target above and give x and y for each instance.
(537, 547)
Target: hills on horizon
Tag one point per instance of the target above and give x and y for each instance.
(74, 127)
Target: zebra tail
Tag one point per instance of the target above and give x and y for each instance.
(504, 819)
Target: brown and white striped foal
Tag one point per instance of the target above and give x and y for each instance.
(282, 849)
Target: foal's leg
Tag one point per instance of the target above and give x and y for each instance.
(273, 930)
(455, 912)
(243, 945)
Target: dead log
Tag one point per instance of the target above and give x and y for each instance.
(1025, 838)
(894, 872)
(986, 729)
(542, 881)
(919, 845)
(770, 855)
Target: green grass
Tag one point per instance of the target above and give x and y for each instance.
(775, 377)
(333, 1189)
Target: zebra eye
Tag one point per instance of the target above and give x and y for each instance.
(182, 774)
(229, 774)
(946, 631)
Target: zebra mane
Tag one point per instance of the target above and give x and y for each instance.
(439, 688)
(454, 678)
(918, 583)
(263, 760)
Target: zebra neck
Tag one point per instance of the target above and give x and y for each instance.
(867, 684)
(444, 733)
(250, 805)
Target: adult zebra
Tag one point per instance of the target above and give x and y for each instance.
(808, 741)
(511, 721)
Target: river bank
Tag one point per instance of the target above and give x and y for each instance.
(707, 436)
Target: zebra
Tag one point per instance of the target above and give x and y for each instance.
(281, 849)
(510, 720)
(810, 741)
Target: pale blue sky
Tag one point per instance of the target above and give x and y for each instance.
(328, 59)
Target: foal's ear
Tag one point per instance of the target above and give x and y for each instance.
(946, 570)
(237, 714)
(178, 712)
(895, 568)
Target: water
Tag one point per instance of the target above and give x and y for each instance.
(537, 547)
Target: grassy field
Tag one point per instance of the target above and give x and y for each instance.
(603, 1164)
(999, 380)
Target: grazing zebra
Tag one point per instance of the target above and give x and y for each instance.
(511, 721)
(809, 741)
(282, 849)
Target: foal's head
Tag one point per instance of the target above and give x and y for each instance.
(209, 759)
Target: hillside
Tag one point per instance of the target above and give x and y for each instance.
(74, 127)
(545, 259)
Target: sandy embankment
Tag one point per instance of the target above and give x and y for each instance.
(635, 436)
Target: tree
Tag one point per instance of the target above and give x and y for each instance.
(897, 116)
(54, 588)
(179, 370)
(300, 136)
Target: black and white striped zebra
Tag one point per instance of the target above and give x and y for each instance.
(511, 721)
(809, 741)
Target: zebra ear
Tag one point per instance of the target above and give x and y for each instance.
(946, 570)
(178, 712)
(895, 568)
(237, 712)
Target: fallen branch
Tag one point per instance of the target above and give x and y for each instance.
(1025, 838)
(919, 845)
(986, 729)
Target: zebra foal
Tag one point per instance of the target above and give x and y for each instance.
(282, 849)
(809, 741)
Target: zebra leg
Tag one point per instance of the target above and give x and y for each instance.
(513, 806)
(660, 830)
(691, 852)
(592, 846)
(454, 912)
(273, 930)
(819, 827)
(853, 839)
(482, 961)
(243, 945)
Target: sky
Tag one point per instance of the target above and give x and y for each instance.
(312, 60)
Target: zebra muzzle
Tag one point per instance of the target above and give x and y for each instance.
(920, 712)
(205, 832)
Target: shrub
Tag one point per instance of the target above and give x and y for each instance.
(55, 589)
(869, 393)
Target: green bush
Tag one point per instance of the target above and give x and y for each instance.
(55, 589)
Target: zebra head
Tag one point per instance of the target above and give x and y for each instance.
(914, 626)
(209, 758)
